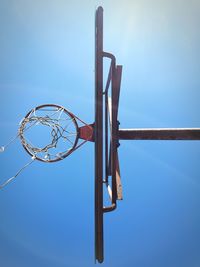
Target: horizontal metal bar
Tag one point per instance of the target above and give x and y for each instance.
(159, 134)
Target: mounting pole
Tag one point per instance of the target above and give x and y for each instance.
(159, 134)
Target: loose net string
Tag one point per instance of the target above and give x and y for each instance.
(19, 171)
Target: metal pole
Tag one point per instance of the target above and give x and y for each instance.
(159, 134)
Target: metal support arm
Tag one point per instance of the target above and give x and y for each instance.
(159, 134)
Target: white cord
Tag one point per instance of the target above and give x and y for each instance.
(13, 177)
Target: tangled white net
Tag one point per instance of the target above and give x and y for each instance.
(54, 135)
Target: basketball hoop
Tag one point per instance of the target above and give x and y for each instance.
(49, 132)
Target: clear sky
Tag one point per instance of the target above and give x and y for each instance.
(47, 56)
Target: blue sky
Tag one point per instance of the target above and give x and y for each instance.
(47, 56)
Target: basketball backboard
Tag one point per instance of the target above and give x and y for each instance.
(105, 133)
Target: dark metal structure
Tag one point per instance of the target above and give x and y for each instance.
(98, 135)
(104, 132)
(106, 158)
(107, 134)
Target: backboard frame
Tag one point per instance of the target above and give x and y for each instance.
(106, 159)
(98, 135)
